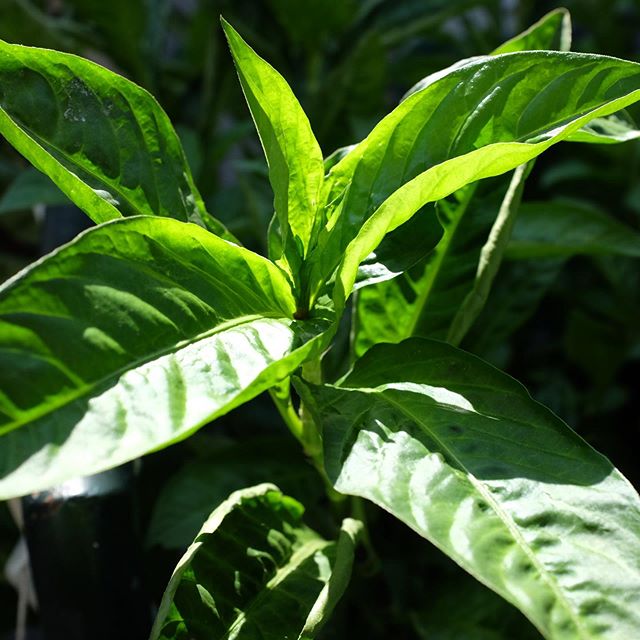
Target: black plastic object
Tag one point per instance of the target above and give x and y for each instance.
(85, 558)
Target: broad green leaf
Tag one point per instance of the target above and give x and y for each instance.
(553, 31)
(131, 337)
(202, 485)
(558, 229)
(105, 142)
(296, 169)
(256, 571)
(481, 120)
(29, 189)
(463, 455)
(427, 299)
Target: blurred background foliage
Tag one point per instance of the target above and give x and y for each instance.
(567, 325)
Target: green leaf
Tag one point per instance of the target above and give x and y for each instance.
(552, 32)
(461, 453)
(256, 571)
(131, 337)
(425, 299)
(618, 127)
(561, 229)
(442, 296)
(29, 189)
(296, 169)
(480, 120)
(202, 485)
(105, 142)
(401, 249)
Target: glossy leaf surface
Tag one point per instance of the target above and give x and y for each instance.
(441, 296)
(462, 454)
(256, 571)
(128, 339)
(481, 120)
(296, 168)
(104, 141)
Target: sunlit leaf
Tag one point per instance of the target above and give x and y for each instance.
(295, 161)
(104, 141)
(128, 339)
(256, 571)
(462, 454)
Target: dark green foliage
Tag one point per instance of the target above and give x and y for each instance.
(435, 228)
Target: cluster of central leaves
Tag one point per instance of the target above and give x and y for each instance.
(155, 322)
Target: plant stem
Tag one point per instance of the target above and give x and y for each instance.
(282, 399)
(305, 431)
(490, 257)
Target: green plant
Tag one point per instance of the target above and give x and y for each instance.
(145, 328)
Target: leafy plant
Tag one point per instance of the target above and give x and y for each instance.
(155, 322)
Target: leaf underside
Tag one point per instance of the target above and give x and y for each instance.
(255, 571)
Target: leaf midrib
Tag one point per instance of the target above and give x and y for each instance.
(547, 576)
(440, 257)
(299, 556)
(113, 186)
(85, 389)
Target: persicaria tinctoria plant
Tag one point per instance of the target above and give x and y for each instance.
(156, 321)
